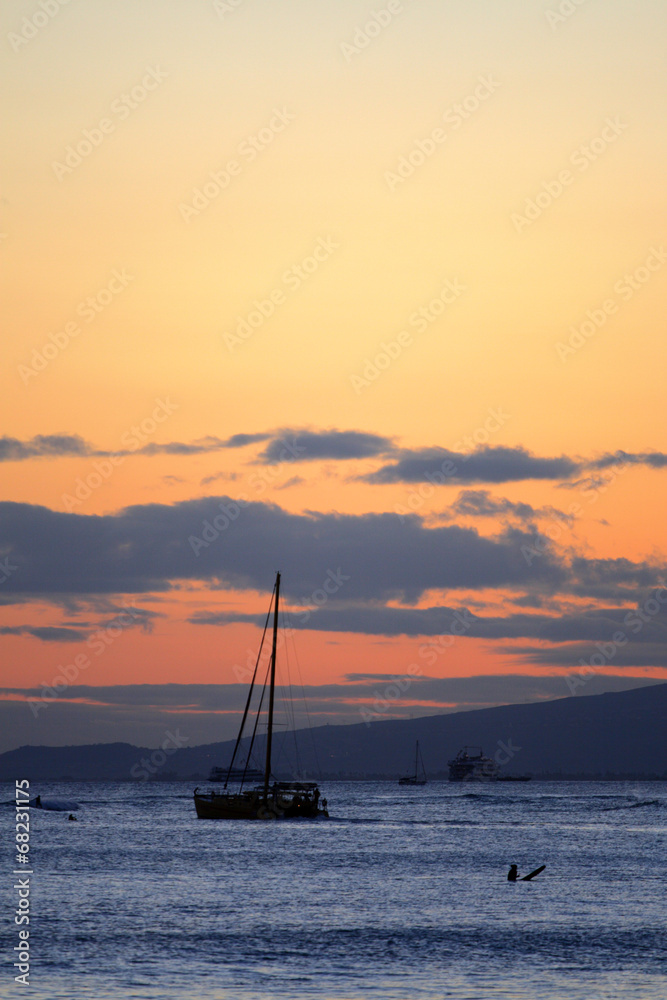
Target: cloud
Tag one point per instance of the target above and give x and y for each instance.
(486, 465)
(483, 689)
(593, 624)
(47, 633)
(293, 481)
(228, 477)
(128, 616)
(311, 446)
(43, 446)
(238, 545)
(608, 578)
(202, 446)
(283, 445)
(115, 617)
(652, 459)
(582, 654)
(480, 503)
(209, 697)
(243, 440)
(435, 465)
(71, 445)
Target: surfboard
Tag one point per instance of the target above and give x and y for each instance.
(527, 878)
(55, 805)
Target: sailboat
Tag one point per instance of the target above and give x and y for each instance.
(417, 778)
(270, 799)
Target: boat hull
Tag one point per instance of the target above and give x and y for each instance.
(472, 766)
(281, 803)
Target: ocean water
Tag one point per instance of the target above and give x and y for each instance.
(402, 893)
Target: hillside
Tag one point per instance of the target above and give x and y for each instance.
(623, 733)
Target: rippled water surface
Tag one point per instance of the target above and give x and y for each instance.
(401, 894)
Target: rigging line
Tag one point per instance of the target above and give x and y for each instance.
(289, 630)
(280, 753)
(254, 730)
(287, 698)
(247, 704)
(305, 705)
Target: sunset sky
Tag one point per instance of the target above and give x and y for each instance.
(368, 293)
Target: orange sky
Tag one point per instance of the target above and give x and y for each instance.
(443, 232)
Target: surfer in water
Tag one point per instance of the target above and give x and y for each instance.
(513, 874)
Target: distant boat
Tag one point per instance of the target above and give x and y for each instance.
(271, 799)
(418, 778)
(470, 764)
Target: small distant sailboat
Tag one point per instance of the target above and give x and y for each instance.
(419, 777)
(271, 799)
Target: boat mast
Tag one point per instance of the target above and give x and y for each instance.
(416, 757)
(272, 684)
